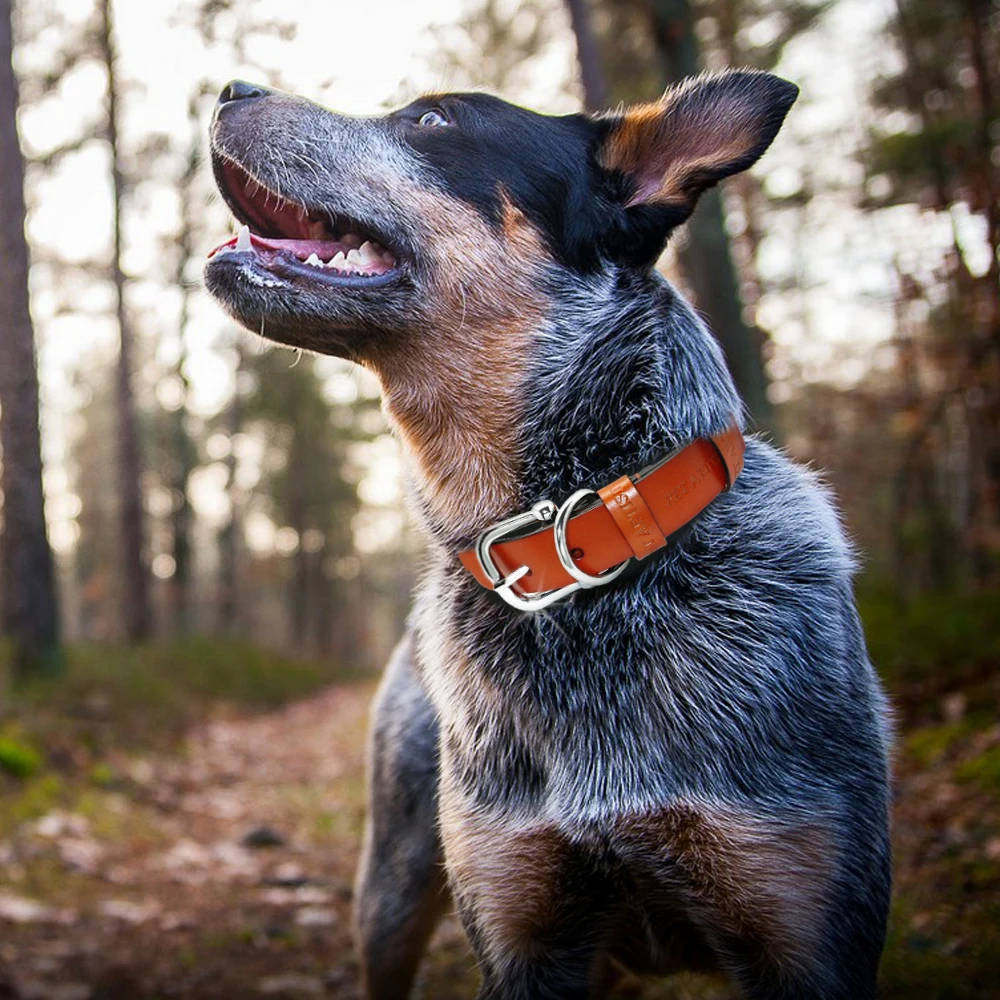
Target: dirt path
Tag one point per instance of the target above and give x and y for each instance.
(223, 873)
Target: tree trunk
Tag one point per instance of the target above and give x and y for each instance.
(183, 457)
(705, 259)
(27, 585)
(137, 618)
(595, 85)
(229, 595)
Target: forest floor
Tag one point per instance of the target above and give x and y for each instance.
(219, 865)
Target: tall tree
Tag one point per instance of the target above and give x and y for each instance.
(945, 88)
(181, 449)
(307, 490)
(229, 611)
(588, 54)
(27, 586)
(705, 257)
(138, 620)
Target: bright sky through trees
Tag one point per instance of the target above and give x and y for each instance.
(835, 261)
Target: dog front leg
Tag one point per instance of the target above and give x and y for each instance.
(536, 906)
(400, 889)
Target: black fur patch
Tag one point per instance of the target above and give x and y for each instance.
(544, 164)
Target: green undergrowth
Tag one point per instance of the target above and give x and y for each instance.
(940, 658)
(63, 734)
(141, 695)
(934, 641)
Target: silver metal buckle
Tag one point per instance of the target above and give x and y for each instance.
(544, 510)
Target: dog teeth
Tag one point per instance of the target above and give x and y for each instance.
(368, 255)
(339, 262)
(243, 240)
(314, 260)
(354, 259)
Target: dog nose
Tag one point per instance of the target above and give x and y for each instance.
(240, 90)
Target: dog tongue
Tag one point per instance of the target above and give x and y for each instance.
(323, 249)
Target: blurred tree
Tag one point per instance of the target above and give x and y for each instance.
(27, 586)
(306, 488)
(135, 595)
(229, 595)
(92, 468)
(493, 43)
(935, 144)
(588, 54)
(181, 451)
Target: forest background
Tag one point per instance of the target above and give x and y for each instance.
(200, 530)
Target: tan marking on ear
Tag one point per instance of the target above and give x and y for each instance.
(510, 879)
(668, 146)
(762, 879)
(628, 143)
(453, 390)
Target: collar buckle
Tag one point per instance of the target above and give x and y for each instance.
(543, 511)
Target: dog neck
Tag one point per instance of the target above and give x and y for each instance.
(627, 375)
(452, 411)
(497, 414)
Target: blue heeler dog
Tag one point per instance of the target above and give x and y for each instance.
(682, 763)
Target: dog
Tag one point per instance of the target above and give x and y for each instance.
(636, 730)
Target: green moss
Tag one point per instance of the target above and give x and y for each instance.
(102, 775)
(929, 744)
(18, 759)
(114, 696)
(39, 795)
(984, 769)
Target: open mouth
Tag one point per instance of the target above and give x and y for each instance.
(293, 241)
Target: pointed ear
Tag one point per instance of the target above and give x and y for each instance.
(699, 132)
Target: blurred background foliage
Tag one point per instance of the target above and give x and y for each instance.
(223, 528)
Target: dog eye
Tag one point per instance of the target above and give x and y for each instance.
(433, 119)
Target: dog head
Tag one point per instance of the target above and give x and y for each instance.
(367, 230)
(434, 244)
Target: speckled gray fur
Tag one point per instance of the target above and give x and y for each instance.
(686, 768)
(732, 669)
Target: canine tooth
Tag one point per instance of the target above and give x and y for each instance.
(368, 254)
(314, 260)
(354, 259)
(243, 240)
(339, 261)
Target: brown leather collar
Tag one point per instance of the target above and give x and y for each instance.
(635, 518)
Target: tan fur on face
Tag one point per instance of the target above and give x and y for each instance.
(759, 878)
(453, 390)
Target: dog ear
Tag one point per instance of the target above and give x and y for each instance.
(707, 128)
